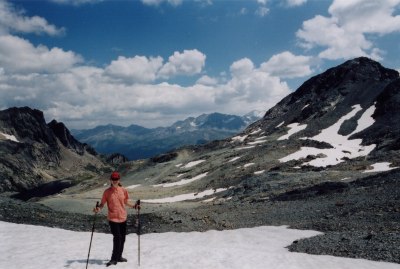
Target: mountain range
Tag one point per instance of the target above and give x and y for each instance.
(137, 142)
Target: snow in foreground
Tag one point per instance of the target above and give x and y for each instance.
(26, 246)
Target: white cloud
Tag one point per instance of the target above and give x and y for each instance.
(242, 67)
(140, 69)
(76, 2)
(347, 32)
(250, 88)
(190, 62)
(295, 3)
(137, 69)
(288, 65)
(20, 56)
(158, 2)
(367, 16)
(86, 96)
(206, 80)
(128, 89)
(262, 11)
(14, 20)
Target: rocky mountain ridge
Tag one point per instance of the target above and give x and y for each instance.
(34, 153)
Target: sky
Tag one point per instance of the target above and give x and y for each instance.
(261, 247)
(153, 62)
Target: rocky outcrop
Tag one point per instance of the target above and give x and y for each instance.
(33, 153)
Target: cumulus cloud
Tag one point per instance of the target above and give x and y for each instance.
(347, 32)
(138, 69)
(288, 65)
(84, 96)
(18, 55)
(128, 89)
(206, 80)
(14, 20)
(189, 62)
(250, 88)
(242, 67)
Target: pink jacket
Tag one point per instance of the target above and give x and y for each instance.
(116, 199)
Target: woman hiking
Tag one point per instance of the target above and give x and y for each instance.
(116, 197)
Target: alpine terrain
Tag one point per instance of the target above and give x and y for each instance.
(324, 158)
(136, 142)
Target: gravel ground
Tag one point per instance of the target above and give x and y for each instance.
(360, 219)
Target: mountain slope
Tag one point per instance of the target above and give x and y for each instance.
(33, 153)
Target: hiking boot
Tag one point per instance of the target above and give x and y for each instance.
(122, 259)
(112, 262)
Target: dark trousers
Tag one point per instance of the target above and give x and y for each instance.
(118, 231)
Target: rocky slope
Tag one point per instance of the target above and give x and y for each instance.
(33, 153)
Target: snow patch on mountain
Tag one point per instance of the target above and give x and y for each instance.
(194, 163)
(294, 128)
(380, 167)
(343, 147)
(239, 138)
(182, 182)
(8, 137)
(234, 159)
(185, 197)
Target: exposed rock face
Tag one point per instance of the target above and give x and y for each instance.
(323, 99)
(116, 159)
(65, 137)
(33, 153)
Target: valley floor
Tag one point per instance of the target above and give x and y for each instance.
(358, 220)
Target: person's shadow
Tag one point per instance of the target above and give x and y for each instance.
(91, 261)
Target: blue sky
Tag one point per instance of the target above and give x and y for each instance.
(152, 62)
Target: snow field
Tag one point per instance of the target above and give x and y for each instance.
(34, 247)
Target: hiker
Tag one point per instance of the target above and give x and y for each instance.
(116, 198)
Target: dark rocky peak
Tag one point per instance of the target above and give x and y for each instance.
(364, 68)
(386, 130)
(324, 98)
(341, 78)
(27, 124)
(65, 137)
(116, 159)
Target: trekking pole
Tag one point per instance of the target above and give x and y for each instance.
(138, 228)
(91, 237)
